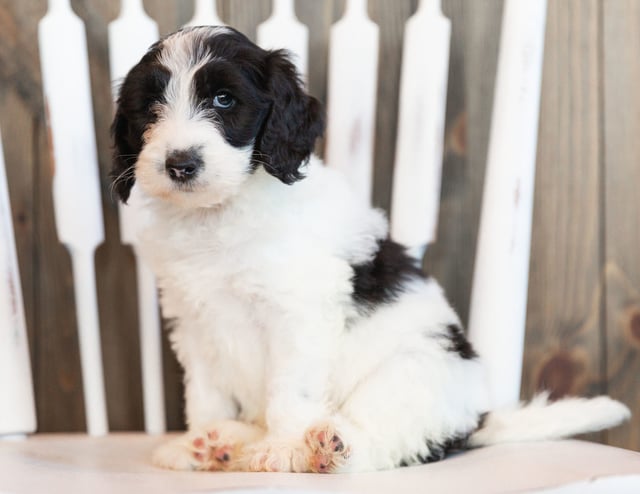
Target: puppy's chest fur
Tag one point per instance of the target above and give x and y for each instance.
(228, 277)
(265, 251)
(207, 288)
(203, 274)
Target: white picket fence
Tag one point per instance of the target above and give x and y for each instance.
(500, 281)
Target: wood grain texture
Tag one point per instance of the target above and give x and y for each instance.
(564, 309)
(20, 69)
(563, 352)
(245, 16)
(170, 15)
(621, 73)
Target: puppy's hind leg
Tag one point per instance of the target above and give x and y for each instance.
(373, 428)
(399, 414)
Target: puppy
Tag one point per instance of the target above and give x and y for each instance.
(310, 341)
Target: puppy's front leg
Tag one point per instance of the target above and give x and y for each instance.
(298, 368)
(299, 357)
(215, 438)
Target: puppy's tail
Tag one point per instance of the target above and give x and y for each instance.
(541, 420)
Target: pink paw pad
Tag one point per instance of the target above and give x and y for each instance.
(210, 454)
(328, 450)
(223, 453)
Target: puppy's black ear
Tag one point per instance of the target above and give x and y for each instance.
(124, 156)
(294, 121)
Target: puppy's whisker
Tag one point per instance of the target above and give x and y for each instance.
(260, 162)
(123, 177)
(266, 164)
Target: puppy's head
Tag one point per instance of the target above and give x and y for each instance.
(202, 110)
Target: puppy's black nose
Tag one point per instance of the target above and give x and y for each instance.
(183, 166)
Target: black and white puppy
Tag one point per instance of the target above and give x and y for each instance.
(309, 340)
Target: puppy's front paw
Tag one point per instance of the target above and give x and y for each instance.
(328, 450)
(215, 448)
(213, 452)
(176, 455)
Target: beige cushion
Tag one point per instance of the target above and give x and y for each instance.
(119, 463)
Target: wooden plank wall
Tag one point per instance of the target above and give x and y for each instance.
(583, 324)
(621, 177)
(565, 351)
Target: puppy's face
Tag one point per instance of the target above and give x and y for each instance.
(202, 110)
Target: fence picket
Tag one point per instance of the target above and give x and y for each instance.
(352, 87)
(78, 209)
(423, 99)
(284, 30)
(206, 14)
(501, 273)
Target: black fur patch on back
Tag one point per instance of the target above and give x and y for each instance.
(381, 280)
(459, 343)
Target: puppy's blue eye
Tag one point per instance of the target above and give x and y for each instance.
(223, 100)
